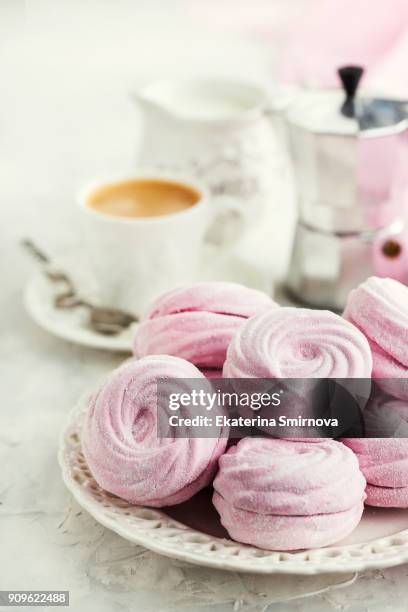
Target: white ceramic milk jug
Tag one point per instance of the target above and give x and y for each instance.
(215, 130)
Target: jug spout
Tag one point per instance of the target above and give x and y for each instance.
(204, 100)
(147, 103)
(160, 129)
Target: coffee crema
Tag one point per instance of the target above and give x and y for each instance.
(142, 198)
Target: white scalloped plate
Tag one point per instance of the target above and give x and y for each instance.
(192, 532)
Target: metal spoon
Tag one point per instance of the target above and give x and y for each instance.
(103, 320)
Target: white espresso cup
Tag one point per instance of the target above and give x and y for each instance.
(132, 260)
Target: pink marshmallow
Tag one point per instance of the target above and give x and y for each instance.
(197, 322)
(385, 366)
(298, 343)
(389, 373)
(379, 308)
(383, 461)
(272, 476)
(120, 443)
(274, 532)
(386, 497)
(285, 495)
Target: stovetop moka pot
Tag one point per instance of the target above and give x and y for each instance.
(350, 159)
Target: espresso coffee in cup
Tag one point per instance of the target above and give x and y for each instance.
(143, 197)
(143, 235)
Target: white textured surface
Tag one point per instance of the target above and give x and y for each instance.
(66, 69)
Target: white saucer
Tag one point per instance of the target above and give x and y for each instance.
(70, 324)
(192, 531)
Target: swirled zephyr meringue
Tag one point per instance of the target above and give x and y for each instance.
(284, 495)
(298, 343)
(120, 441)
(384, 463)
(197, 322)
(379, 308)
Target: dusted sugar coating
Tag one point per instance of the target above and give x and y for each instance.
(286, 495)
(276, 532)
(379, 307)
(197, 322)
(120, 442)
(384, 462)
(384, 365)
(386, 497)
(298, 343)
(271, 476)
